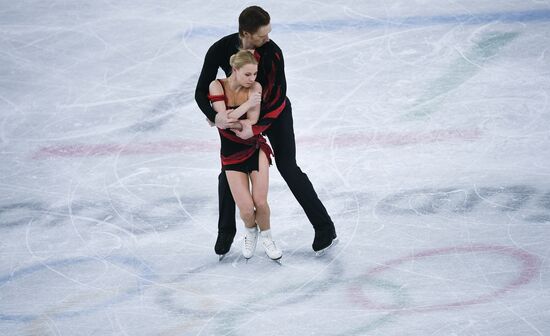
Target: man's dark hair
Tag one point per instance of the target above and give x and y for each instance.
(252, 18)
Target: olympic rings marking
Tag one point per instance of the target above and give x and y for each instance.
(400, 300)
(144, 277)
(224, 319)
(529, 268)
(165, 298)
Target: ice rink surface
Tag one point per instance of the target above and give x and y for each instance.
(423, 125)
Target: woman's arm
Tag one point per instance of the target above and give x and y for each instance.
(252, 116)
(253, 102)
(254, 99)
(216, 89)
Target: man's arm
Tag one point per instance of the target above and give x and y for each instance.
(208, 74)
(274, 90)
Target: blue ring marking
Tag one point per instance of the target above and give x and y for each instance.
(411, 21)
(145, 276)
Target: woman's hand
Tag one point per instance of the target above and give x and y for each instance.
(246, 132)
(254, 99)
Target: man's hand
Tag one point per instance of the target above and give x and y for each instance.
(246, 132)
(223, 121)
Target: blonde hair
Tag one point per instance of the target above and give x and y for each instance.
(242, 58)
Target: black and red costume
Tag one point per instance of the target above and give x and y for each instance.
(275, 122)
(236, 153)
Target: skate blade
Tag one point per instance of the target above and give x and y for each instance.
(322, 252)
(278, 260)
(221, 257)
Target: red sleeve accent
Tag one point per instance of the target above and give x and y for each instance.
(215, 98)
(267, 119)
(275, 113)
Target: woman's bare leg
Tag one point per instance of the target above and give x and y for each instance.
(260, 187)
(240, 189)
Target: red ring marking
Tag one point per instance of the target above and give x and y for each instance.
(530, 267)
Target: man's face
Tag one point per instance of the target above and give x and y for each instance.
(259, 38)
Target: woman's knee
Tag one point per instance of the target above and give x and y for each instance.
(260, 203)
(246, 210)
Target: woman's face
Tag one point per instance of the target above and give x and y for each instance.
(246, 75)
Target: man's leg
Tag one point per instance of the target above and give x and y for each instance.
(281, 137)
(226, 221)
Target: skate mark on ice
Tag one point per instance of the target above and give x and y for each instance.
(384, 22)
(430, 201)
(464, 68)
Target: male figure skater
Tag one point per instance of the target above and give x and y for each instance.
(275, 122)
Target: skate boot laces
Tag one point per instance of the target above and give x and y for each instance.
(249, 244)
(271, 249)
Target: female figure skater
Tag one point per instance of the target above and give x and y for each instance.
(245, 161)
